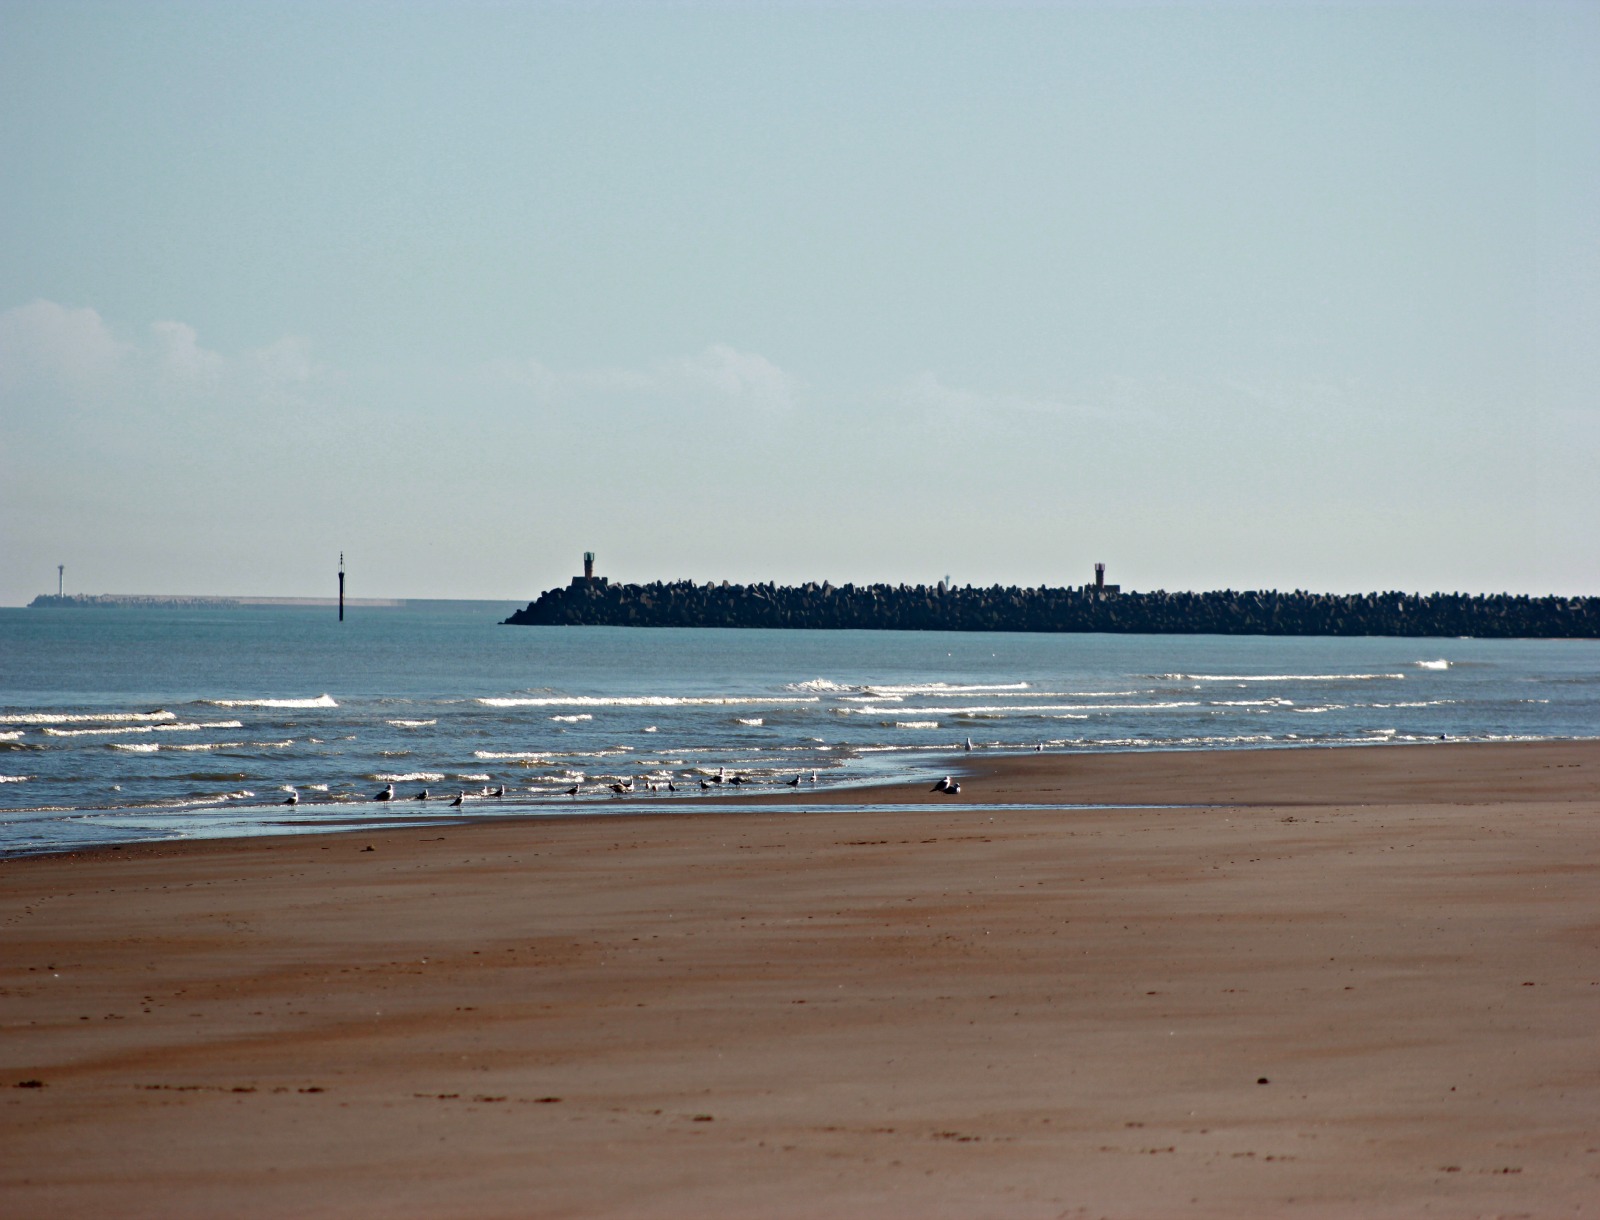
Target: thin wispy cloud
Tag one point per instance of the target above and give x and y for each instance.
(719, 375)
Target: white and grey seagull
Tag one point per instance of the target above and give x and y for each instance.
(386, 795)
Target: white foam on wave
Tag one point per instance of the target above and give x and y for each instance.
(15, 779)
(185, 727)
(1251, 703)
(943, 688)
(411, 777)
(513, 755)
(642, 701)
(1439, 664)
(1278, 677)
(207, 745)
(15, 735)
(319, 701)
(412, 724)
(912, 724)
(572, 719)
(83, 717)
(1002, 710)
(754, 721)
(819, 685)
(135, 747)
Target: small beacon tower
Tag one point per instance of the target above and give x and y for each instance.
(588, 579)
(341, 586)
(1101, 589)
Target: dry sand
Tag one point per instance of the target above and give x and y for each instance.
(1366, 982)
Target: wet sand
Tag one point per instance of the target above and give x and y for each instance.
(1356, 982)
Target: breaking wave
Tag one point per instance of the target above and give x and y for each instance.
(642, 701)
(319, 701)
(1275, 677)
(186, 727)
(83, 717)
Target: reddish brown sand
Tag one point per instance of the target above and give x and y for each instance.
(1365, 984)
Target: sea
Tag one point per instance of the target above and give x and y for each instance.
(140, 723)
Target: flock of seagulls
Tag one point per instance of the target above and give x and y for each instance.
(949, 785)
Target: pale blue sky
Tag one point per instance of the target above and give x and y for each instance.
(1292, 295)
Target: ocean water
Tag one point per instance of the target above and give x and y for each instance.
(120, 724)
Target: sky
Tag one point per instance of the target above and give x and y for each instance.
(1223, 295)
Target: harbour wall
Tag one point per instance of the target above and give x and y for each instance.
(597, 602)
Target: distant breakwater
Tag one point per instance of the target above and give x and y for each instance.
(932, 608)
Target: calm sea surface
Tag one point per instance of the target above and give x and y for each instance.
(119, 724)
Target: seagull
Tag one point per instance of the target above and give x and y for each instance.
(619, 789)
(456, 804)
(1039, 748)
(386, 795)
(671, 787)
(969, 743)
(421, 796)
(954, 788)
(500, 791)
(573, 791)
(294, 799)
(704, 786)
(738, 779)
(795, 782)
(942, 786)
(813, 777)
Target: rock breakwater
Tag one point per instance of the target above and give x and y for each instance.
(1000, 608)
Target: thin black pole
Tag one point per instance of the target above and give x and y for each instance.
(341, 586)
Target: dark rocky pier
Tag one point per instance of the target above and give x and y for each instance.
(591, 601)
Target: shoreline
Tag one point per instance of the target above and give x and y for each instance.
(1013, 767)
(902, 1011)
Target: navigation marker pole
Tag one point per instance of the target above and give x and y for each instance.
(341, 586)
(61, 579)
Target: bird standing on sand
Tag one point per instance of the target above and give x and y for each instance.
(955, 787)
(386, 795)
(421, 796)
(460, 797)
(573, 791)
(619, 789)
(795, 782)
(969, 743)
(942, 786)
(704, 787)
(498, 791)
(294, 798)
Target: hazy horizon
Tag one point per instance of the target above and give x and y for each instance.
(1221, 294)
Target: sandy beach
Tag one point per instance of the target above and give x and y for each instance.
(1329, 982)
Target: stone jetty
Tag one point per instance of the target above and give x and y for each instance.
(592, 601)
